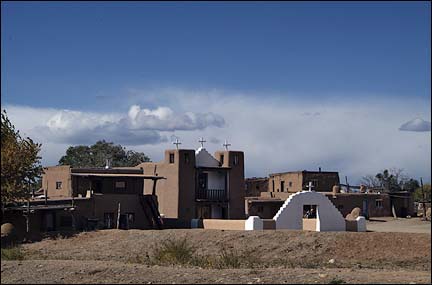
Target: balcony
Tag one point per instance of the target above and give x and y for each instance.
(211, 194)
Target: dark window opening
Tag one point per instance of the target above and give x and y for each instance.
(58, 185)
(378, 203)
(109, 221)
(309, 211)
(290, 184)
(282, 185)
(222, 159)
(236, 159)
(171, 158)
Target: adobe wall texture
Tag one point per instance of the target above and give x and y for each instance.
(255, 186)
(235, 160)
(55, 174)
(295, 181)
(167, 189)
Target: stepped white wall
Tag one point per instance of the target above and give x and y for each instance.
(290, 215)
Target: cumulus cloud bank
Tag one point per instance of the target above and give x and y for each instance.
(139, 126)
(277, 133)
(416, 125)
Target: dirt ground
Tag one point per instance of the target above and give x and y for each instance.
(390, 224)
(117, 256)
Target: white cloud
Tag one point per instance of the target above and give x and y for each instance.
(139, 126)
(354, 137)
(416, 125)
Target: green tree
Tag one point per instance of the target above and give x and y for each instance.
(395, 180)
(20, 163)
(418, 195)
(97, 154)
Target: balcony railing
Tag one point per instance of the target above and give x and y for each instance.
(211, 194)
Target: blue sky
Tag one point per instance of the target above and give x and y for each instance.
(103, 58)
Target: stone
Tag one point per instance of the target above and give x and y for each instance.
(331, 261)
(356, 212)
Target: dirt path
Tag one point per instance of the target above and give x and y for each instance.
(387, 224)
(71, 271)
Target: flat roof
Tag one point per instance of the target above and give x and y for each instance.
(303, 171)
(90, 174)
(114, 170)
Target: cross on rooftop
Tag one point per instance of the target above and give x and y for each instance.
(226, 144)
(202, 141)
(177, 142)
(310, 186)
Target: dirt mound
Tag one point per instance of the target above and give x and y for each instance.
(273, 248)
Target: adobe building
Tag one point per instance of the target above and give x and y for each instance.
(283, 185)
(199, 185)
(296, 181)
(254, 186)
(86, 199)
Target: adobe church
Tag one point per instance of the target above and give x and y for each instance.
(199, 185)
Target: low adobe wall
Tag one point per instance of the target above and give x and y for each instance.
(216, 224)
(309, 224)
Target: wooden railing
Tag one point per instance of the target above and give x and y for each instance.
(211, 194)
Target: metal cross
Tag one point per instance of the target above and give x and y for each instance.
(310, 186)
(202, 141)
(177, 142)
(226, 144)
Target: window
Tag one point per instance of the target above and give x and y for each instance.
(282, 184)
(222, 159)
(273, 185)
(290, 184)
(171, 158)
(120, 184)
(236, 159)
(378, 203)
(186, 158)
(109, 220)
(130, 218)
(58, 185)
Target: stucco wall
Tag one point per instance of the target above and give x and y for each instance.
(290, 215)
(55, 174)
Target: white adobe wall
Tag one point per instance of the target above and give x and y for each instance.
(205, 159)
(290, 215)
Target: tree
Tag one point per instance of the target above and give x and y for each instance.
(20, 163)
(370, 181)
(418, 195)
(97, 154)
(393, 180)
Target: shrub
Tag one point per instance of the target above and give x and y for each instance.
(174, 252)
(12, 253)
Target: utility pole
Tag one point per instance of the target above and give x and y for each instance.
(423, 199)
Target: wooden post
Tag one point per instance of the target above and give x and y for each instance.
(118, 217)
(28, 217)
(154, 187)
